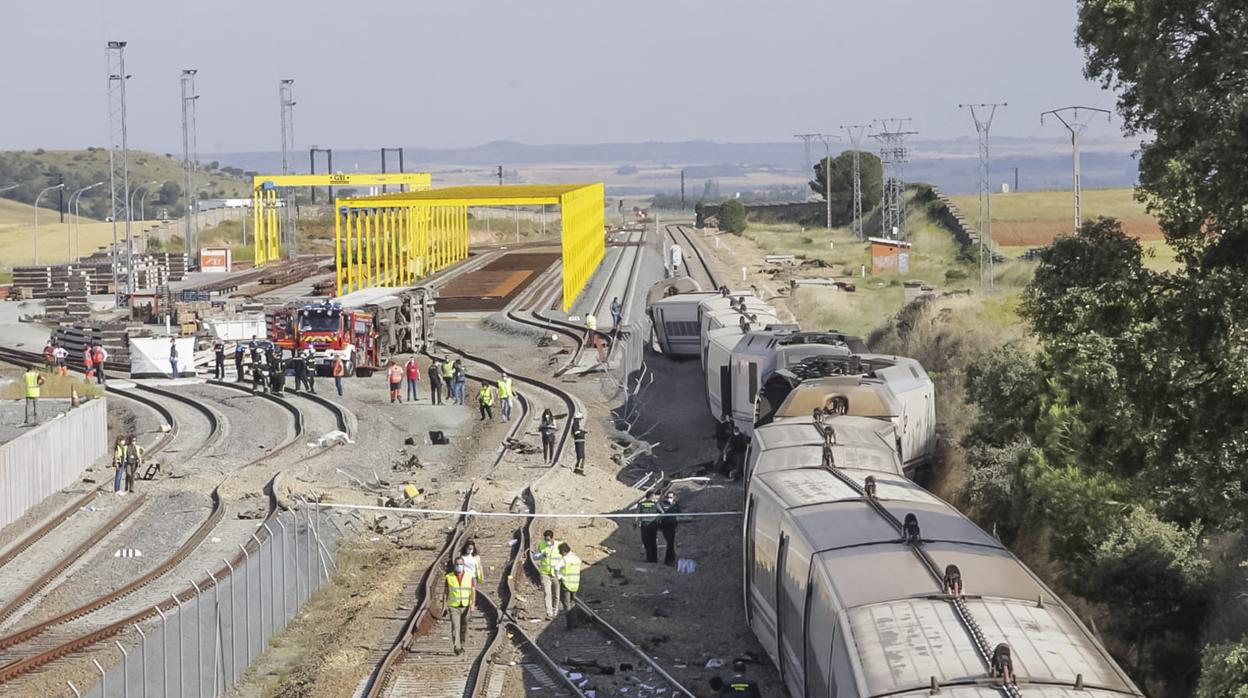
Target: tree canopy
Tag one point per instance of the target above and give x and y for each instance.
(732, 216)
(841, 166)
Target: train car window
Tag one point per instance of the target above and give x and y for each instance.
(725, 389)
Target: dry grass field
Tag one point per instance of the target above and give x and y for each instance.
(1034, 218)
(17, 240)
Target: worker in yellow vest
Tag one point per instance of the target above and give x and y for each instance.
(569, 583)
(504, 396)
(547, 560)
(31, 379)
(485, 400)
(460, 593)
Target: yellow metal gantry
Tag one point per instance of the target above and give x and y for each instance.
(397, 239)
(265, 200)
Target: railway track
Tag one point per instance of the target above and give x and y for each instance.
(27, 650)
(694, 247)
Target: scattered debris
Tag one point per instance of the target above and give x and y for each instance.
(408, 462)
(520, 447)
(331, 439)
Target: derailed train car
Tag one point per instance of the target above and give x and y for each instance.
(849, 583)
(857, 581)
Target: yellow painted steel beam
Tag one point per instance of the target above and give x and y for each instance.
(415, 180)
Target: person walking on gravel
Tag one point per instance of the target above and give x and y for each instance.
(547, 430)
(569, 573)
(309, 371)
(412, 371)
(617, 315)
(98, 357)
(448, 379)
(472, 562)
(134, 458)
(119, 462)
(339, 372)
(31, 381)
(239, 352)
(461, 380)
(650, 511)
(505, 390)
(394, 374)
(547, 560)
(485, 400)
(578, 441)
(435, 382)
(459, 598)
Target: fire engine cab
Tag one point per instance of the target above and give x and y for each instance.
(365, 329)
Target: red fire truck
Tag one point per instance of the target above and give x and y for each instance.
(366, 328)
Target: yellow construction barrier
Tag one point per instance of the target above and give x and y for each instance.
(397, 239)
(265, 200)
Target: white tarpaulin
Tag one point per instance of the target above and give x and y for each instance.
(149, 357)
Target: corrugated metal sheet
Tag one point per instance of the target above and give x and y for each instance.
(51, 456)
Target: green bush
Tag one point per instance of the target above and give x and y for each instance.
(955, 274)
(732, 217)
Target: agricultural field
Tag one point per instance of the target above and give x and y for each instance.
(17, 234)
(1034, 218)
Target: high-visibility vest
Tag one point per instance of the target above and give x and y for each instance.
(448, 370)
(743, 686)
(485, 397)
(504, 387)
(458, 593)
(570, 573)
(549, 552)
(119, 453)
(32, 383)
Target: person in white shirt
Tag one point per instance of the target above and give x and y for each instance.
(473, 567)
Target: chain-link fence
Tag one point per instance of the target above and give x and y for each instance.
(200, 643)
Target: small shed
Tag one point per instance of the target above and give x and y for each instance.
(888, 256)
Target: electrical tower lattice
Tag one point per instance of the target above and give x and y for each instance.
(982, 115)
(856, 133)
(893, 156)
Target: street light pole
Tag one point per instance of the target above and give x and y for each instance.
(40, 196)
(71, 250)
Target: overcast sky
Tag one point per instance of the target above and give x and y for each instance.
(450, 73)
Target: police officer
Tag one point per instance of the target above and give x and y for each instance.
(739, 685)
(504, 396)
(459, 597)
(435, 382)
(239, 352)
(578, 441)
(569, 583)
(667, 525)
(218, 355)
(650, 510)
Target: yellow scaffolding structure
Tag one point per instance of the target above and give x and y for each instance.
(397, 239)
(265, 201)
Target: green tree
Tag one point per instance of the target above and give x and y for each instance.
(169, 193)
(1153, 577)
(1224, 671)
(1180, 69)
(732, 217)
(870, 174)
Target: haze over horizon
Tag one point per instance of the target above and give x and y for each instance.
(458, 75)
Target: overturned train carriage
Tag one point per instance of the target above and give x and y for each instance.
(846, 606)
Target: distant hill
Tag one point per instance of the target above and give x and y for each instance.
(37, 169)
(952, 165)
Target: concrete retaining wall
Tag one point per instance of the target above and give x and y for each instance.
(51, 456)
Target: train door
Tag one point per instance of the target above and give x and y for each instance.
(725, 390)
(820, 634)
(748, 546)
(659, 328)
